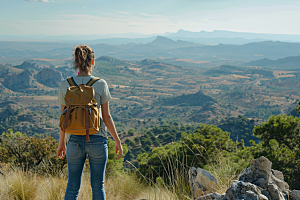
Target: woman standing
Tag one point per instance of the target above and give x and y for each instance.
(77, 146)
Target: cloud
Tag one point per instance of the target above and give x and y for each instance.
(44, 1)
(123, 12)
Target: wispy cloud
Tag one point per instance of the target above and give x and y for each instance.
(123, 12)
(44, 1)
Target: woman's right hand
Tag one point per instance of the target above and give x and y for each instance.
(61, 151)
(119, 148)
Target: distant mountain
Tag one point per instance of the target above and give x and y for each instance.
(167, 43)
(119, 41)
(27, 65)
(219, 40)
(19, 81)
(291, 62)
(161, 47)
(26, 76)
(268, 49)
(230, 34)
(50, 77)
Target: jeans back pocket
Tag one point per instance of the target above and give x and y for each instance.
(72, 148)
(97, 149)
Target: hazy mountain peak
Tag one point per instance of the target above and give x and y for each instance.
(160, 40)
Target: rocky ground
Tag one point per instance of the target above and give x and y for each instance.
(257, 182)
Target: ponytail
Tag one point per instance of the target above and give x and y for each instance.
(83, 56)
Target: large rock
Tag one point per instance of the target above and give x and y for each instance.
(295, 195)
(19, 81)
(261, 174)
(201, 181)
(257, 182)
(242, 190)
(49, 77)
(259, 178)
(211, 196)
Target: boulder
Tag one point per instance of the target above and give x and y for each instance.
(257, 182)
(242, 190)
(259, 178)
(295, 195)
(211, 196)
(202, 182)
(261, 174)
(260, 168)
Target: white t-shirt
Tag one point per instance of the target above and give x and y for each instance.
(102, 96)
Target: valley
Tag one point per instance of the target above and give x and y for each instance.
(146, 91)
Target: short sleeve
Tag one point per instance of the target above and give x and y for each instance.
(61, 95)
(105, 94)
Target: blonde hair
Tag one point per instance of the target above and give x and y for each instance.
(83, 56)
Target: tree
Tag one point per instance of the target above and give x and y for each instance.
(281, 145)
(19, 149)
(131, 132)
(114, 166)
(146, 141)
(137, 140)
(129, 156)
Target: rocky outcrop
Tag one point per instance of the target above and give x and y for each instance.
(211, 196)
(49, 77)
(201, 181)
(19, 81)
(27, 65)
(257, 182)
(295, 195)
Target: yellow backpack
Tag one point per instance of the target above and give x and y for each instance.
(81, 115)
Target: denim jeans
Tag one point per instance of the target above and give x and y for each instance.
(77, 150)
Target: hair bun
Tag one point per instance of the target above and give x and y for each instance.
(83, 56)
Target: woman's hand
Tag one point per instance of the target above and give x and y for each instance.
(61, 151)
(119, 148)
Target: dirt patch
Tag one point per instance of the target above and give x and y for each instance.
(283, 74)
(192, 61)
(120, 86)
(162, 58)
(42, 59)
(240, 76)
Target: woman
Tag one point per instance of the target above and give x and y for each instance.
(77, 146)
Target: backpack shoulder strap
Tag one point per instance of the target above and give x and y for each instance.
(92, 81)
(71, 82)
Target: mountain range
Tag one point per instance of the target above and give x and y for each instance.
(171, 51)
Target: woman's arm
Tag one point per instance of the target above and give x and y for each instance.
(61, 150)
(107, 119)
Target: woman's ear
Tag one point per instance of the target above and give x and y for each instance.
(93, 62)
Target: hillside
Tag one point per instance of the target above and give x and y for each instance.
(147, 90)
(30, 76)
(197, 99)
(287, 63)
(20, 118)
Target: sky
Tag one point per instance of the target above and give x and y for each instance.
(87, 17)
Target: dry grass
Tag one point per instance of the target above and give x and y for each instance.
(21, 185)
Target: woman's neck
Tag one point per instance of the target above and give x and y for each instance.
(84, 74)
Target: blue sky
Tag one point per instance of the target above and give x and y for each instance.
(78, 17)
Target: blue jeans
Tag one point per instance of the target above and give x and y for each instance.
(77, 150)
